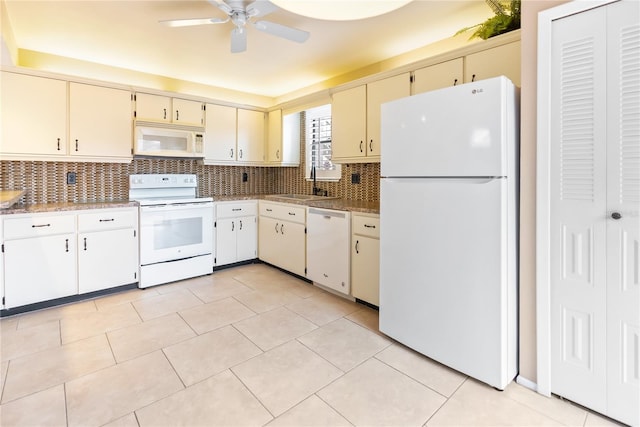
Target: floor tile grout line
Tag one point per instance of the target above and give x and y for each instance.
(230, 369)
(445, 401)
(330, 406)
(66, 403)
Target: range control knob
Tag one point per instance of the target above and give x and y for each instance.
(616, 215)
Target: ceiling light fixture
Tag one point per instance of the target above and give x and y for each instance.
(334, 10)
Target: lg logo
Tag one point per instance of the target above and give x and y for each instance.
(475, 91)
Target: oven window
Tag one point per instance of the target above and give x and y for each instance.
(172, 233)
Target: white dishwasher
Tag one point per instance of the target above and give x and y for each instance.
(328, 248)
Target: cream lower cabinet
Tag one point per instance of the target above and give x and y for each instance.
(39, 254)
(107, 249)
(365, 257)
(236, 232)
(282, 236)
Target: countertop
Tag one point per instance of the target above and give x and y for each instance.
(9, 197)
(329, 203)
(68, 206)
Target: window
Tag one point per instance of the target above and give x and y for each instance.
(318, 145)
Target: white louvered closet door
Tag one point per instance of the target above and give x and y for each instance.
(595, 175)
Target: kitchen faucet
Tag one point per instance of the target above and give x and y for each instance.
(316, 191)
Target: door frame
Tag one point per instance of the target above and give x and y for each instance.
(543, 203)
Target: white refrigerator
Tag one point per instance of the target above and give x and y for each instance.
(448, 226)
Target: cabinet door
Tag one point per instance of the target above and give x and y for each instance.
(153, 108)
(498, 61)
(379, 92)
(187, 112)
(274, 137)
(247, 238)
(349, 123)
(107, 259)
(293, 247)
(269, 241)
(220, 133)
(99, 121)
(34, 115)
(438, 76)
(365, 269)
(226, 241)
(39, 269)
(250, 136)
(291, 139)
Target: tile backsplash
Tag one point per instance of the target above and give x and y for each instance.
(45, 182)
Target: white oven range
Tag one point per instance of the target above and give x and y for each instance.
(176, 228)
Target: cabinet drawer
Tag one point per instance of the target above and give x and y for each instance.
(231, 210)
(284, 212)
(107, 220)
(366, 226)
(38, 225)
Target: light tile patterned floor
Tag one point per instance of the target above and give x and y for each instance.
(248, 346)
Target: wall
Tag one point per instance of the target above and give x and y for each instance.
(527, 316)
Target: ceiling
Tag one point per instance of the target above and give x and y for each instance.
(126, 34)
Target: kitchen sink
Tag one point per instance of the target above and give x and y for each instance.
(301, 197)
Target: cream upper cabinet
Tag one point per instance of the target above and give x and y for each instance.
(34, 115)
(438, 76)
(291, 140)
(356, 118)
(153, 108)
(251, 136)
(349, 124)
(188, 113)
(274, 137)
(234, 135)
(378, 93)
(99, 121)
(164, 109)
(497, 61)
(220, 134)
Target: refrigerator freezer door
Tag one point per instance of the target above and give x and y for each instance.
(456, 131)
(444, 273)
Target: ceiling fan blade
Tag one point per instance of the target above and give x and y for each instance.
(283, 31)
(238, 40)
(261, 8)
(222, 6)
(191, 22)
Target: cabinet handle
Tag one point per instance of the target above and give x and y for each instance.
(40, 225)
(455, 82)
(233, 225)
(85, 243)
(278, 154)
(58, 144)
(281, 228)
(177, 115)
(269, 210)
(231, 155)
(236, 209)
(292, 213)
(473, 78)
(276, 227)
(240, 224)
(107, 220)
(240, 152)
(66, 245)
(76, 145)
(361, 146)
(369, 226)
(371, 145)
(164, 116)
(357, 243)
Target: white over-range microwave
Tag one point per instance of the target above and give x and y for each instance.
(164, 142)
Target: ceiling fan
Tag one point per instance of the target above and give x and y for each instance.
(241, 13)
